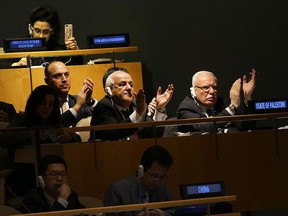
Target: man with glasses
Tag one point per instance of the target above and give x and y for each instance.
(53, 193)
(203, 98)
(147, 186)
(122, 105)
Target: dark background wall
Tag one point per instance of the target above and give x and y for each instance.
(178, 38)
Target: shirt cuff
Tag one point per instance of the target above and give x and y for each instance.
(135, 117)
(74, 113)
(159, 116)
(231, 112)
(63, 202)
(93, 103)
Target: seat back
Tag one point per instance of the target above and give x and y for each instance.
(7, 210)
(90, 202)
(84, 134)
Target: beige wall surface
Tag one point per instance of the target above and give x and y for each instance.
(16, 82)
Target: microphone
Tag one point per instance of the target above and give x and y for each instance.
(17, 198)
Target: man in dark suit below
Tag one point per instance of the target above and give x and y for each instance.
(122, 105)
(7, 111)
(147, 186)
(54, 193)
(203, 98)
(73, 108)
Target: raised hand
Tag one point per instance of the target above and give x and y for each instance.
(71, 44)
(88, 85)
(235, 93)
(152, 107)
(140, 102)
(163, 99)
(249, 86)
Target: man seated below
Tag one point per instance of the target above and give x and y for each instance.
(122, 105)
(147, 186)
(204, 96)
(73, 107)
(54, 193)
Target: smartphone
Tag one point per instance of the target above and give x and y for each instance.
(68, 29)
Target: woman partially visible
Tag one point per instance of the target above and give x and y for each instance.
(42, 113)
(44, 22)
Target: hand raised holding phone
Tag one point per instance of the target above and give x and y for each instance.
(70, 41)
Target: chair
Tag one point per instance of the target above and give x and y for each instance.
(84, 134)
(90, 202)
(170, 130)
(7, 210)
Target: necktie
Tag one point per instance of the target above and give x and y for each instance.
(64, 106)
(209, 112)
(145, 197)
(125, 113)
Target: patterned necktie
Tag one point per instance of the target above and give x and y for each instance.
(64, 105)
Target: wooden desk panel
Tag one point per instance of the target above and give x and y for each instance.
(247, 162)
(16, 85)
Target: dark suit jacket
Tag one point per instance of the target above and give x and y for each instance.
(126, 192)
(106, 113)
(189, 109)
(8, 108)
(68, 119)
(36, 201)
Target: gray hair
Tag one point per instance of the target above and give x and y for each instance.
(108, 81)
(197, 74)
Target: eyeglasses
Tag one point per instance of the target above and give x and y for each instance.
(156, 177)
(123, 84)
(40, 31)
(206, 89)
(55, 174)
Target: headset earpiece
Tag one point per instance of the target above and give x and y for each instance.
(41, 182)
(30, 30)
(108, 91)
(140, 171)
(192, 90)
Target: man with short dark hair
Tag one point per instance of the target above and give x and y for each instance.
(54, 192)
(147, 186)
(73, 108)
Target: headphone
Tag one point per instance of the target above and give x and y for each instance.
(140, 171)
(192, 90)
(108, 91)
(30, 29)
(41, 182)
